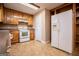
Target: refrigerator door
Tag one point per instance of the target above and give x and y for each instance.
(65, 37)
(62, 31)
(54, 31)
(68, 33)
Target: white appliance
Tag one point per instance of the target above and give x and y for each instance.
(61, 28)
(24, 35)
(54, 31)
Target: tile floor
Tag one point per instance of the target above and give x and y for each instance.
(34, 48)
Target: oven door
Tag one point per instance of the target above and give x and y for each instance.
(24, 33)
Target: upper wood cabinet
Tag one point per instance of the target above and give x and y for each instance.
(7, 12)
(13, 17)
(30, 20)
(15, 21)
(25, 16)
(1, 13)
(17, 14)
(9, 17)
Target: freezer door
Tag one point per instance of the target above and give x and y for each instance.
(54, 31)
(54, 41)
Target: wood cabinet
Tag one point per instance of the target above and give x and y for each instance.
(30, 20)
(32, 34)
(17, 14)
(25, 16)
(1, 13)
(12, 17)
(13, 21)
(9, 17)
(15, 36)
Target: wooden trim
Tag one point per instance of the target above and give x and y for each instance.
(61, 6)
(74, 27)
(50, 29)
(54, 11)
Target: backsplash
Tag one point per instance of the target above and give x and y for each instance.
(3, 26)
(9, 26)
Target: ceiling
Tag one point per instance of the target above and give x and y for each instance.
(48, 6)
(26, 9)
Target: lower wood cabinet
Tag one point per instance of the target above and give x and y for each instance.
(32, 34)
(15, 36)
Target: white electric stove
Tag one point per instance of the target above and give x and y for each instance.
(24, 34)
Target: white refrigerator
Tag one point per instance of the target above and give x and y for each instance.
(61, 31)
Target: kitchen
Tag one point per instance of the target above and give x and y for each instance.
(38, 30)
(18, 24)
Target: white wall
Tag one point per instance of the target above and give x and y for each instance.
(47, 25)
(42, 26)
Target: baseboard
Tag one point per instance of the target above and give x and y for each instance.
(44, 42)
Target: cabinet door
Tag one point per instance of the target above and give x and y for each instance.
(54, 31)
(15, 36)
(65, 40)
(32, 34)
(11, 13)
(24, 16)
(1, 13)
(8, 15)
(5, 15)
(14, 21)
(15, 13)
(8, 12)
(30, 20)
(19, 14)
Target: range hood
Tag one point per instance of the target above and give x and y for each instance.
(23, 21)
